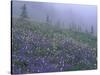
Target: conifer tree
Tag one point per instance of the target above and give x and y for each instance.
(24, 14)
(92, 30)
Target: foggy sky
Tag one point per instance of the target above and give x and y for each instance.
(83, 15)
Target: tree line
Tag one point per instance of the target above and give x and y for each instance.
(73, 27)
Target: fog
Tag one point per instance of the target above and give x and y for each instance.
(84, 16)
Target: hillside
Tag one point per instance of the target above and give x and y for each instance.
(41, 47)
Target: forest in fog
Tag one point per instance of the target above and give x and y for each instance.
(77, 17)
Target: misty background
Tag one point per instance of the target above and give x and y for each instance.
(83, 16)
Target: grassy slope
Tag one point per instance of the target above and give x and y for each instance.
(21, 28)
(51, 31)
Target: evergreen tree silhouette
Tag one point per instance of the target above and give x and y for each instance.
(24, 14)
(92, 30)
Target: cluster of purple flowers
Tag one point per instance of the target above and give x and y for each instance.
(35, 53)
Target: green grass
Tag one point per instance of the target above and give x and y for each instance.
(51, 31)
